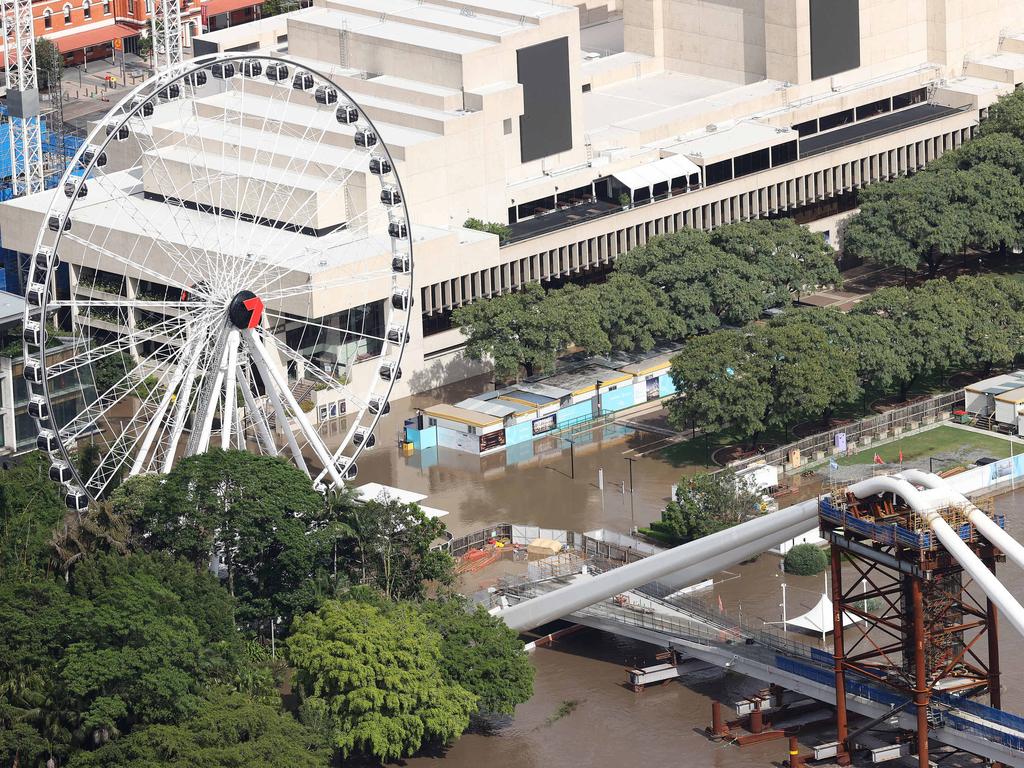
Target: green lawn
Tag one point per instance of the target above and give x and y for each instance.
(942, 443)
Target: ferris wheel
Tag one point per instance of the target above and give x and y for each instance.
(227, 263)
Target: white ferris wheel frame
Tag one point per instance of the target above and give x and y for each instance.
(335, 466)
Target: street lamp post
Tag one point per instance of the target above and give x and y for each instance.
(632, 503)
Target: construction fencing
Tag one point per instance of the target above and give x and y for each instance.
(861, 434)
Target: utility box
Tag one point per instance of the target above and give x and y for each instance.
(23, 103)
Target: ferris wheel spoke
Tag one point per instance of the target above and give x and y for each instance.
(93, 412)
(313, 369)
(123, 343)
(119, 195)
(327, 328)
(132, 264)
(120, 452)
(208, 393)
(255, 414)
(183, 402)
(259, 355)
(326, 285)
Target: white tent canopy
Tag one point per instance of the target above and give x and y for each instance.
(819, 618)
(664, 170)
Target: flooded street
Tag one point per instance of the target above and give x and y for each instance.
(555, 489)
(611, 725)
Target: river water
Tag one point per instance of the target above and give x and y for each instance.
(611, 725)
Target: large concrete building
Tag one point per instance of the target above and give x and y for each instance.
(589, 140)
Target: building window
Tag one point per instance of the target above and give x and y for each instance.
(86, 9)
(506, 126)
(48, 19)
(149, 6)
(471, 430)
(431, 422)
(67, 13)
(106, 7)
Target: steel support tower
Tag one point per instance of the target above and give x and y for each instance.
(22, 98)
(919, 627)
(165, 26)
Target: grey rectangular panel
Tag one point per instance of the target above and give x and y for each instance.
(23, 103)
(545, 127)
(203, 47)
(835, 36)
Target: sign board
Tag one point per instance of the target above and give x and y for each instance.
(118, 44)
(841, 441)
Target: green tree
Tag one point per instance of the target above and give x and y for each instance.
(255, 513)
(760, 378)
(30, 506)
(632, 317)
(227, 729)
(701, 285)
(371, 680)
(386, 544)
(127, 642)
(705, 504)
(805, 560)
(49, 63)
(1005, 116)
(931, 323)
(481, 654)
(110, 370)
(494, 227)
(790, 257)
(517, 330)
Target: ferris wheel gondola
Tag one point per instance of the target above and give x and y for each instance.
(224, 257)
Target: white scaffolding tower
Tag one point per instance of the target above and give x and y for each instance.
(165, 24)
(22, 98)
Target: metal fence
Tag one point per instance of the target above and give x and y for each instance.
(862, 433)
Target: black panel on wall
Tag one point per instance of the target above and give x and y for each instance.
(546, 125)
(835, 36)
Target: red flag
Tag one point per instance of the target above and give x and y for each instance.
(721, 608)
(878, 459)
(901, 455)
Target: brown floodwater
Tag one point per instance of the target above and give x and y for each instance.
(611, 725)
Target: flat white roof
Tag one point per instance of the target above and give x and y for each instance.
(392, 30)
(744, 136)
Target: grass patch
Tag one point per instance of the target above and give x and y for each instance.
(565, 709)
(937, 442)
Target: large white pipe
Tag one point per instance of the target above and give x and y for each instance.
(985, 525)
(926, 503)
(696, 560)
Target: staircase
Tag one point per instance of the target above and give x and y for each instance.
(301, 390)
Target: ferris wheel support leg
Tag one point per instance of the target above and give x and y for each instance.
(260, 355)
(227, 416)
(158, 417)
(262, 428)
(181, 403)
(203, 444)
(279, 412)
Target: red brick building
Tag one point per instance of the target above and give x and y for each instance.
(85, 30)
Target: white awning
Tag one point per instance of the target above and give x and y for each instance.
(819, 618)
(383, 493)
(649, 174)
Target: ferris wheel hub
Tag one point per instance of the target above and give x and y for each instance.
(245, 310)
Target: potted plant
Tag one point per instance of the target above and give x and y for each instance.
(624, 201)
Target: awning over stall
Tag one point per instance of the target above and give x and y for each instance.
(664, 170)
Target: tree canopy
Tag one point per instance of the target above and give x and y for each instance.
(226, 730)
(253, 513)
(371, 679)
(705, 504)
(675, 286)
(971, 197)
(481, 654)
